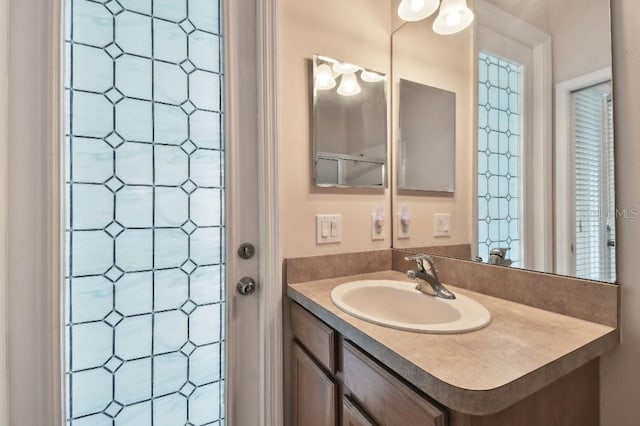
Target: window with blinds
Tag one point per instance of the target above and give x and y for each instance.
(594, 198)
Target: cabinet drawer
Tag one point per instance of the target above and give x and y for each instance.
(314, 394)
(389, 401)
(352, 416)
(315, 336)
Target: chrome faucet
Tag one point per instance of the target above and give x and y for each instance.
(498, 256)
(423, 275)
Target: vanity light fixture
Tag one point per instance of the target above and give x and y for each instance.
(324, 78)
(371, 77)
(454, 17)
(344, 68)
(416, 10)
(349, 85)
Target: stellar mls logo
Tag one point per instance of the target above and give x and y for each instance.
(630, 214)
(625, 214)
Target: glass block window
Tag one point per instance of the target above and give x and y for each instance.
(145, 274)
(499, 151)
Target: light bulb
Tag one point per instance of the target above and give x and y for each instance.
(371, 77)
(454, 17)
(344, 68)
(416, 10)
(324, 78)
(349, 85)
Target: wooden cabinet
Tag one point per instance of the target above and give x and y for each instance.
(370, 395)
(336, 383)
(314, 393)
(572, 400)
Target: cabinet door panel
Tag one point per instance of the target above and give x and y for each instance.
(314, 394)
(389, 401)
(318, 338)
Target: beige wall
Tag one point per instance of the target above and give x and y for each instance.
(535, 12)
(581, 37)
(579, 29)
(620, 370)
(4, 151)
(422, 56)
(355, 31)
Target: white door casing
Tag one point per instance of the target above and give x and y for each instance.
(35, 187)
(564, 165)
(254, 353)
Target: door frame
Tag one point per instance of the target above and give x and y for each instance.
(269, 273)
(271, 320)
(564, 167)
(538, 227)
(32, 62)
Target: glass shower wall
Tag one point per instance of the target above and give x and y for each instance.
(145, 302)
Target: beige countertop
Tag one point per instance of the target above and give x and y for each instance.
(521, 351)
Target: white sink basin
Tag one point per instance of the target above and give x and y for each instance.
(398, 304)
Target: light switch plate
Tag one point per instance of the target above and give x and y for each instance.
(328, 229)
(441, 225)
(375, 235)
(403, 233)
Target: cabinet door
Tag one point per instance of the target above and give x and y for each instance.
(317, 337)
(389, 401)
(313, 392)
(352, 416)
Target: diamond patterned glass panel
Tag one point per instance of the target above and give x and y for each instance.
(499, 139)
(145, 218)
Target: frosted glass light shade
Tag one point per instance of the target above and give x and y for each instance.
(324, 78)
(349, 85)
(416, 10)
(344, 68)
(371, 77)
(454, 17)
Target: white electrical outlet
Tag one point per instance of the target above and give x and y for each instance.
(377, 229)
(328, 229)
(403, 228)
(442, 224)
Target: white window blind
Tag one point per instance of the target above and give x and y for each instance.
(611, 193)
(593, 199)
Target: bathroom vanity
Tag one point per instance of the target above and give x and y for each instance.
(529, 366)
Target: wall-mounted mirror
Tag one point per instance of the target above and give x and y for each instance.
(426, 138)
(349, 125)
(534, 138)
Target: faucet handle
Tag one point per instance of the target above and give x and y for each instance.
(500, 251)
(498, 256)
(420, 259)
